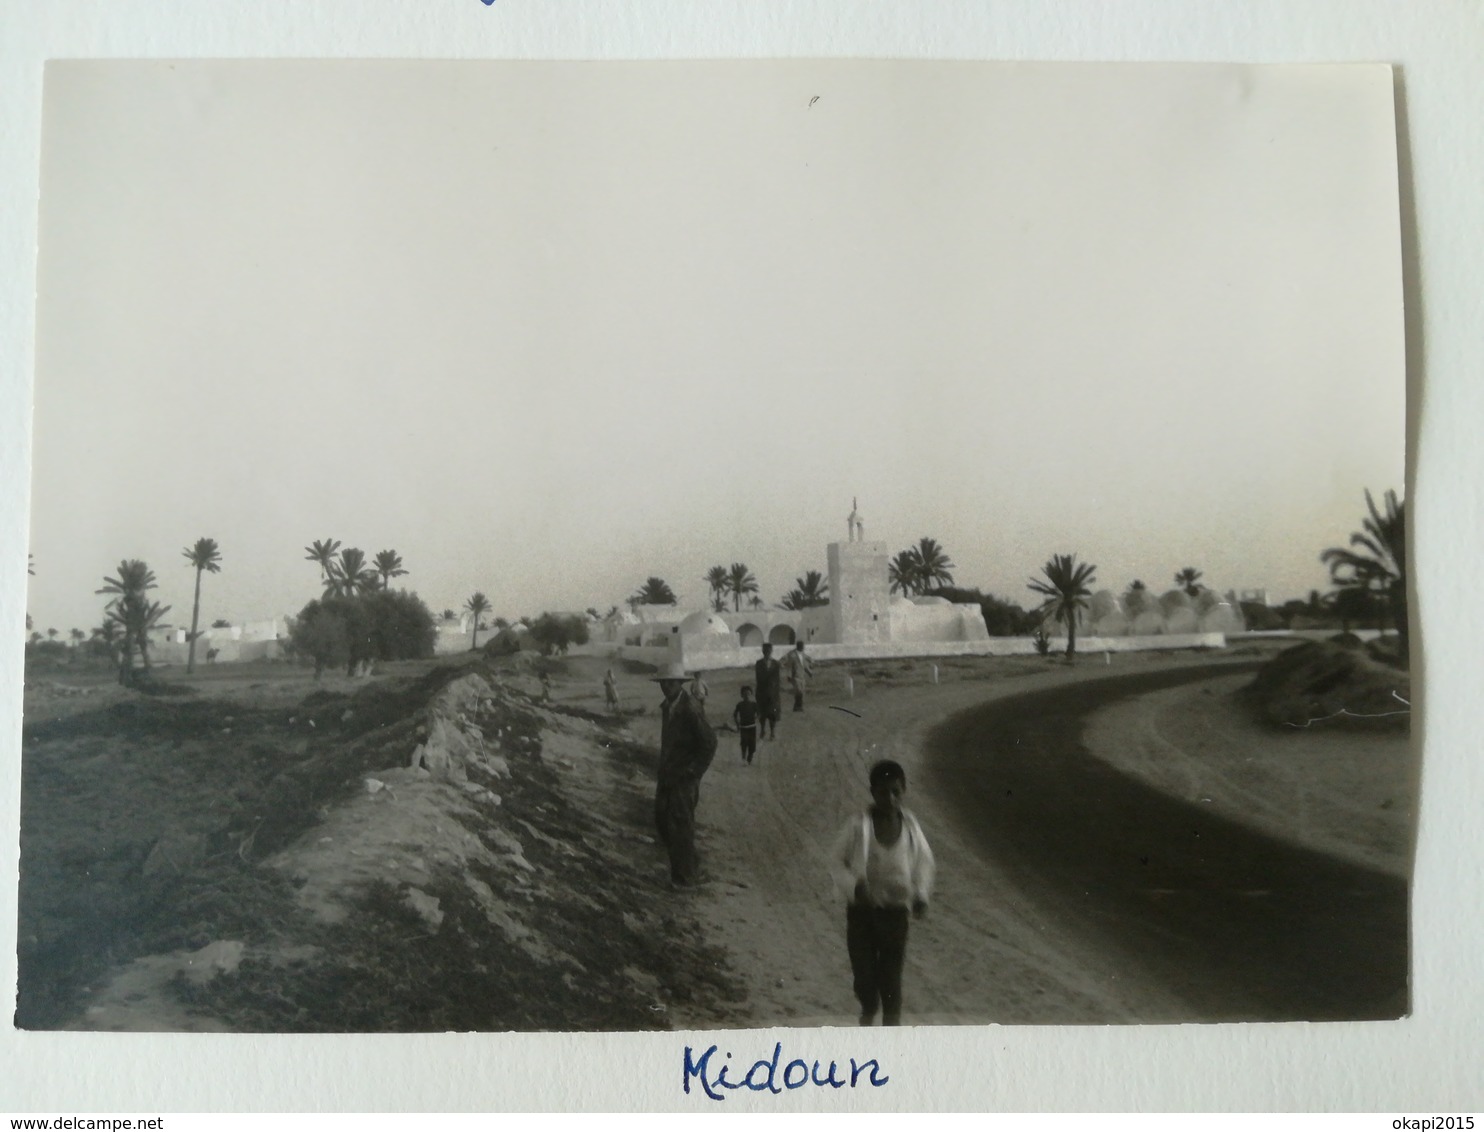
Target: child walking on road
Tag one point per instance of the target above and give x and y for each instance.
(883, 865)
(744, 715)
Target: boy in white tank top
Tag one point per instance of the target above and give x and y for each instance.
(883, 865)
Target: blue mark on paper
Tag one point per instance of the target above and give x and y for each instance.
(765, 1074)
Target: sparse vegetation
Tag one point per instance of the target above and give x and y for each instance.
(133, 613)
(1066, 588)
(809, 591)
(379, 625)
(1188, 580)
(1335, 684)
(1376, 561)
(740, 584)
(204, 557)
(555, 632)
(322, 551)
(388, 565)
(349, 575)
(477, 606)
(654, 591)
(920, 568)
(716, 585)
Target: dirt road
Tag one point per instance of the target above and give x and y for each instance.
(1030, 923)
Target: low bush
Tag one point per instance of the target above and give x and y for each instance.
(384, 625)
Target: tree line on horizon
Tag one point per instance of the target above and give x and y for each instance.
(359, 618)
(1369, 578)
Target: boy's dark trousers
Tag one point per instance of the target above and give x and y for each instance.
(749, 741)
(876, 939)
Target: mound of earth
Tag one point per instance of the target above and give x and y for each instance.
(1332, 684)
(427, 854)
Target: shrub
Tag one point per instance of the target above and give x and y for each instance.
(322, 633)
(505, 642)
(1261, 618)
(1004, 618)
(382, 625)
(398, 626)
(554, 632)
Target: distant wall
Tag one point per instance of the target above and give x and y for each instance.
(1308, 634)
(990, 646)
(453, 637)
(938, 622)
(227, 652)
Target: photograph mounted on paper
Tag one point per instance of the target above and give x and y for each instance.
(643, 546)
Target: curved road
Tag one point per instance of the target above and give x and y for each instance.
(1242, 926)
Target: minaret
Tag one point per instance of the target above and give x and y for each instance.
(860, 595)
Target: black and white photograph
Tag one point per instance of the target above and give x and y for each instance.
(601, 547)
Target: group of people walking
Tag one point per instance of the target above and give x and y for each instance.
(881, 861)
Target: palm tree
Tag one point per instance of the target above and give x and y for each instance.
(654, 591)
(1187, 578)
(1379, 561)
(755, 601)
(108, 634)
(349, 575)
(740, 583)
(134, 579)
(1136, 586)
(934, 567)
(78, 636)
(903, 572)
(478, 605)
(323, 552)
(808, 591)
(716, 582)
(51, 634)
(139, 617)
(204, 556)
(1066, 592)
(389, 565)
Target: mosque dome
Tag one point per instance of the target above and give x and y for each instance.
(702, 623)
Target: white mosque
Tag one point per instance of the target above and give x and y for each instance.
(864, 619)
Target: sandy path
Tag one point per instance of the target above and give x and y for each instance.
(1349, 794)
(984, 954)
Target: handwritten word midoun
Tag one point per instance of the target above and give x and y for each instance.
(766, 1076)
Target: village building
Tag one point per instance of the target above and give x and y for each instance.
(863, 619)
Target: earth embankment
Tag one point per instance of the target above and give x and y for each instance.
(427, 853)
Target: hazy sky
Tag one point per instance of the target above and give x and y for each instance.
(547, 329)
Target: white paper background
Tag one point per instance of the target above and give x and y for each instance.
(1428, 1062)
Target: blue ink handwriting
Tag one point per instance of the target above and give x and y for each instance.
(764, 1075)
